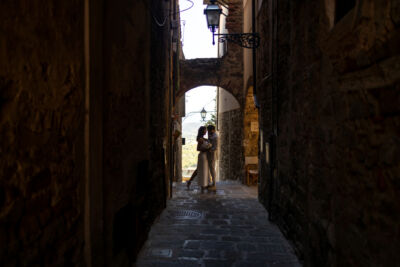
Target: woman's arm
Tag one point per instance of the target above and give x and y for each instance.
(199, 147)
(199, 142)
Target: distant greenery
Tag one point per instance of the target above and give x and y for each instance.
(212, 121)
(189, 155)
(189, 152)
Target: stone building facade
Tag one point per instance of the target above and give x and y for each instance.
(250, 132)
(230, 130)
(329, 120)
(85, 154)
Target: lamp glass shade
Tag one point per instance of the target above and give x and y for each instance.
(212, 13)
(203, 114)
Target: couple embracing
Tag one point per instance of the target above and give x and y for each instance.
(206, 159)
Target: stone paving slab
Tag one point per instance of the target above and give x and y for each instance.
(228, 227)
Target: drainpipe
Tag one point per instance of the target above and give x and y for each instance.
(253, 27)
(170, 106)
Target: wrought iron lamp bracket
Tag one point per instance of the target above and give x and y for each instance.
(246, 40)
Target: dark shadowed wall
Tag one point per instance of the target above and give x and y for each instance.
(332, 108)
(137, 98)
(41, 132)
(85, 153)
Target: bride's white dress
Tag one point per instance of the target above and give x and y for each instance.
(202, 165)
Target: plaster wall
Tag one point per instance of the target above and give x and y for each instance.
(247, 53)
(226, 101)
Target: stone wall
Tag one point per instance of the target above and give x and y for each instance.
(222, 72)
(85, 153)
(230, 148)
(41, 133)
(334, 98)
(251, 132)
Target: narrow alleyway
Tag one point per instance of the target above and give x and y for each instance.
(226, 228)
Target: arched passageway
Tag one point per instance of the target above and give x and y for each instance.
(222, 72)
(196, 99)
(229, 126)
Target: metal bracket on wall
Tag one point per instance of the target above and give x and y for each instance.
(246, 40)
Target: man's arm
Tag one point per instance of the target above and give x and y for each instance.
(199, 148)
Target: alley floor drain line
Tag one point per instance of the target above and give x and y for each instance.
(185, 214)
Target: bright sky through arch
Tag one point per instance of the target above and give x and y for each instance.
(197, 38)
(196, 99)
(197, 43)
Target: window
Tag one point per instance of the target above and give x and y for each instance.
(343, 7)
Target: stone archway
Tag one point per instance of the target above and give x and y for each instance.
(230, 131)
(226, 72)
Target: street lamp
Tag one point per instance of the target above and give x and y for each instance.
(213, 12)
(246, 40)
(203, 114)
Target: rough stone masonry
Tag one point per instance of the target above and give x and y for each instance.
(331, 114)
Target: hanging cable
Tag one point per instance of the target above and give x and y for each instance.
(162, 24)
(186, 9)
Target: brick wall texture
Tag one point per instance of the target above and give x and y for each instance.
(336, 108)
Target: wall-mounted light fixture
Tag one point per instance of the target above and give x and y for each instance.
(213, 12)
(246, 40)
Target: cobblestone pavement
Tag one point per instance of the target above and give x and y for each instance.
(228, 227)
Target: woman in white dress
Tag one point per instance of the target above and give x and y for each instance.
(202, 171)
